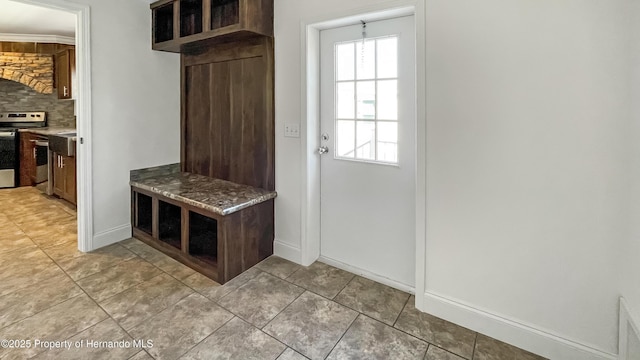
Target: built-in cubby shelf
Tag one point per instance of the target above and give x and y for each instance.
(181, 25)
(169, 228)
(142, 213)
(217, 227)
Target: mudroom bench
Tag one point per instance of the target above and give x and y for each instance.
(217, 227)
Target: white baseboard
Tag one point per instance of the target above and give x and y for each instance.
(287, 251)
(629, 334)
(369, 275)
(110, 236)
(512, 332)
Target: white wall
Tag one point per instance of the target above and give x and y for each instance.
(630, 251)
(526, 122)
(135, 109)
(527, 105)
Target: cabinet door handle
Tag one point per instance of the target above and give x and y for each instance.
(34, 153)
(61, 162)
(65, 91)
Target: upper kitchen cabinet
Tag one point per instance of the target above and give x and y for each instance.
(181, 25)
(65, 62)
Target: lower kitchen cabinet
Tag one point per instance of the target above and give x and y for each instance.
(64, 177)
(27, 159)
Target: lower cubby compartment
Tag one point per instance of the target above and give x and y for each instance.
(218, 246)
(169, 219)
(144, 218)
(203, 238)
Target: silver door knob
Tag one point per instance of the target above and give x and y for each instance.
(323, 150)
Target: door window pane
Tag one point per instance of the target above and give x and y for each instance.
(366, 99)
(388, 99)
(387, 141)
(345, 140)
(344, 61)
(387, 62)
(365, 140)
(344, 99)
(366, 59)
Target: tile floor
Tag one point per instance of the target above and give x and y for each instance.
(128, 291)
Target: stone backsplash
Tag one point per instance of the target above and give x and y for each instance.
(18, 97)
(33, 70)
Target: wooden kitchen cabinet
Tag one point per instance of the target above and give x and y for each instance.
(27, 159)
(65, 62)
(64, 177)
(182, 25)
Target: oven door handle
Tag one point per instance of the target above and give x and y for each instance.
(7, 134)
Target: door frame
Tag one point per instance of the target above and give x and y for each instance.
(310, 125)
(83, 112)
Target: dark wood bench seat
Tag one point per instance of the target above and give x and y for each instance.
(216, 227)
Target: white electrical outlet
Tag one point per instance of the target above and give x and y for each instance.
(292, 130)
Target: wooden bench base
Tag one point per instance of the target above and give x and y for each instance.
(220, 247)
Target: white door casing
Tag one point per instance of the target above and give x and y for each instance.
(83, 112)
(368, 188)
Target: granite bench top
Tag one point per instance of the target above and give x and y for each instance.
(218, 196)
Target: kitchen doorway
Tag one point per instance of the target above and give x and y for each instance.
(83, 113)
(368, 148)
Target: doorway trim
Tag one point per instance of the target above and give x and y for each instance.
(310, 125)
(83, 112)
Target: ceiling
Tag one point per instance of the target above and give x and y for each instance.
(25, 19)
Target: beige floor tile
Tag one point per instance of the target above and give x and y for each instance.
(180, 327)
(90, 347)
(260, 299)
(237, 340)
(322, 279)
(373, 299)
(311, 325)
(80, 265)
(278, 266)
(435, 353)
(142, 355)
(447, 335)
(291, 354)
(31, 300)
(378, 341)
(212, 290)
(21, 269)
(139, 303)
(56, 323)
(157, 258)
(491, 349)
(118, 278)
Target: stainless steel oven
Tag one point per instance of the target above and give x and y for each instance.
(8, 158)
(10, 122)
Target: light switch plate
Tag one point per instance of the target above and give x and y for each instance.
(292, 130)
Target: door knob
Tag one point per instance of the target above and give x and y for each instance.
(323, 150)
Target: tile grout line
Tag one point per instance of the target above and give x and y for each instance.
(281, 311)
(475, 342)
(206, 337)
(400, 313)
(342, 336)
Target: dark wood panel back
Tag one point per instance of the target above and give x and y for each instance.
(228, 121)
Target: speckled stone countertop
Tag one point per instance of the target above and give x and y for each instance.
(215, 195)
(48, 130)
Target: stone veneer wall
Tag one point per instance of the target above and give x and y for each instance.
(18, 97)
(33, 70)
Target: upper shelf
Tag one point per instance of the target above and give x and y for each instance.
(178, 24)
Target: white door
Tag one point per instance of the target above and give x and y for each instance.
(368, 122)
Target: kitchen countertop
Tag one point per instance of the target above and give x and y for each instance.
(47, 130)
(218, 196)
